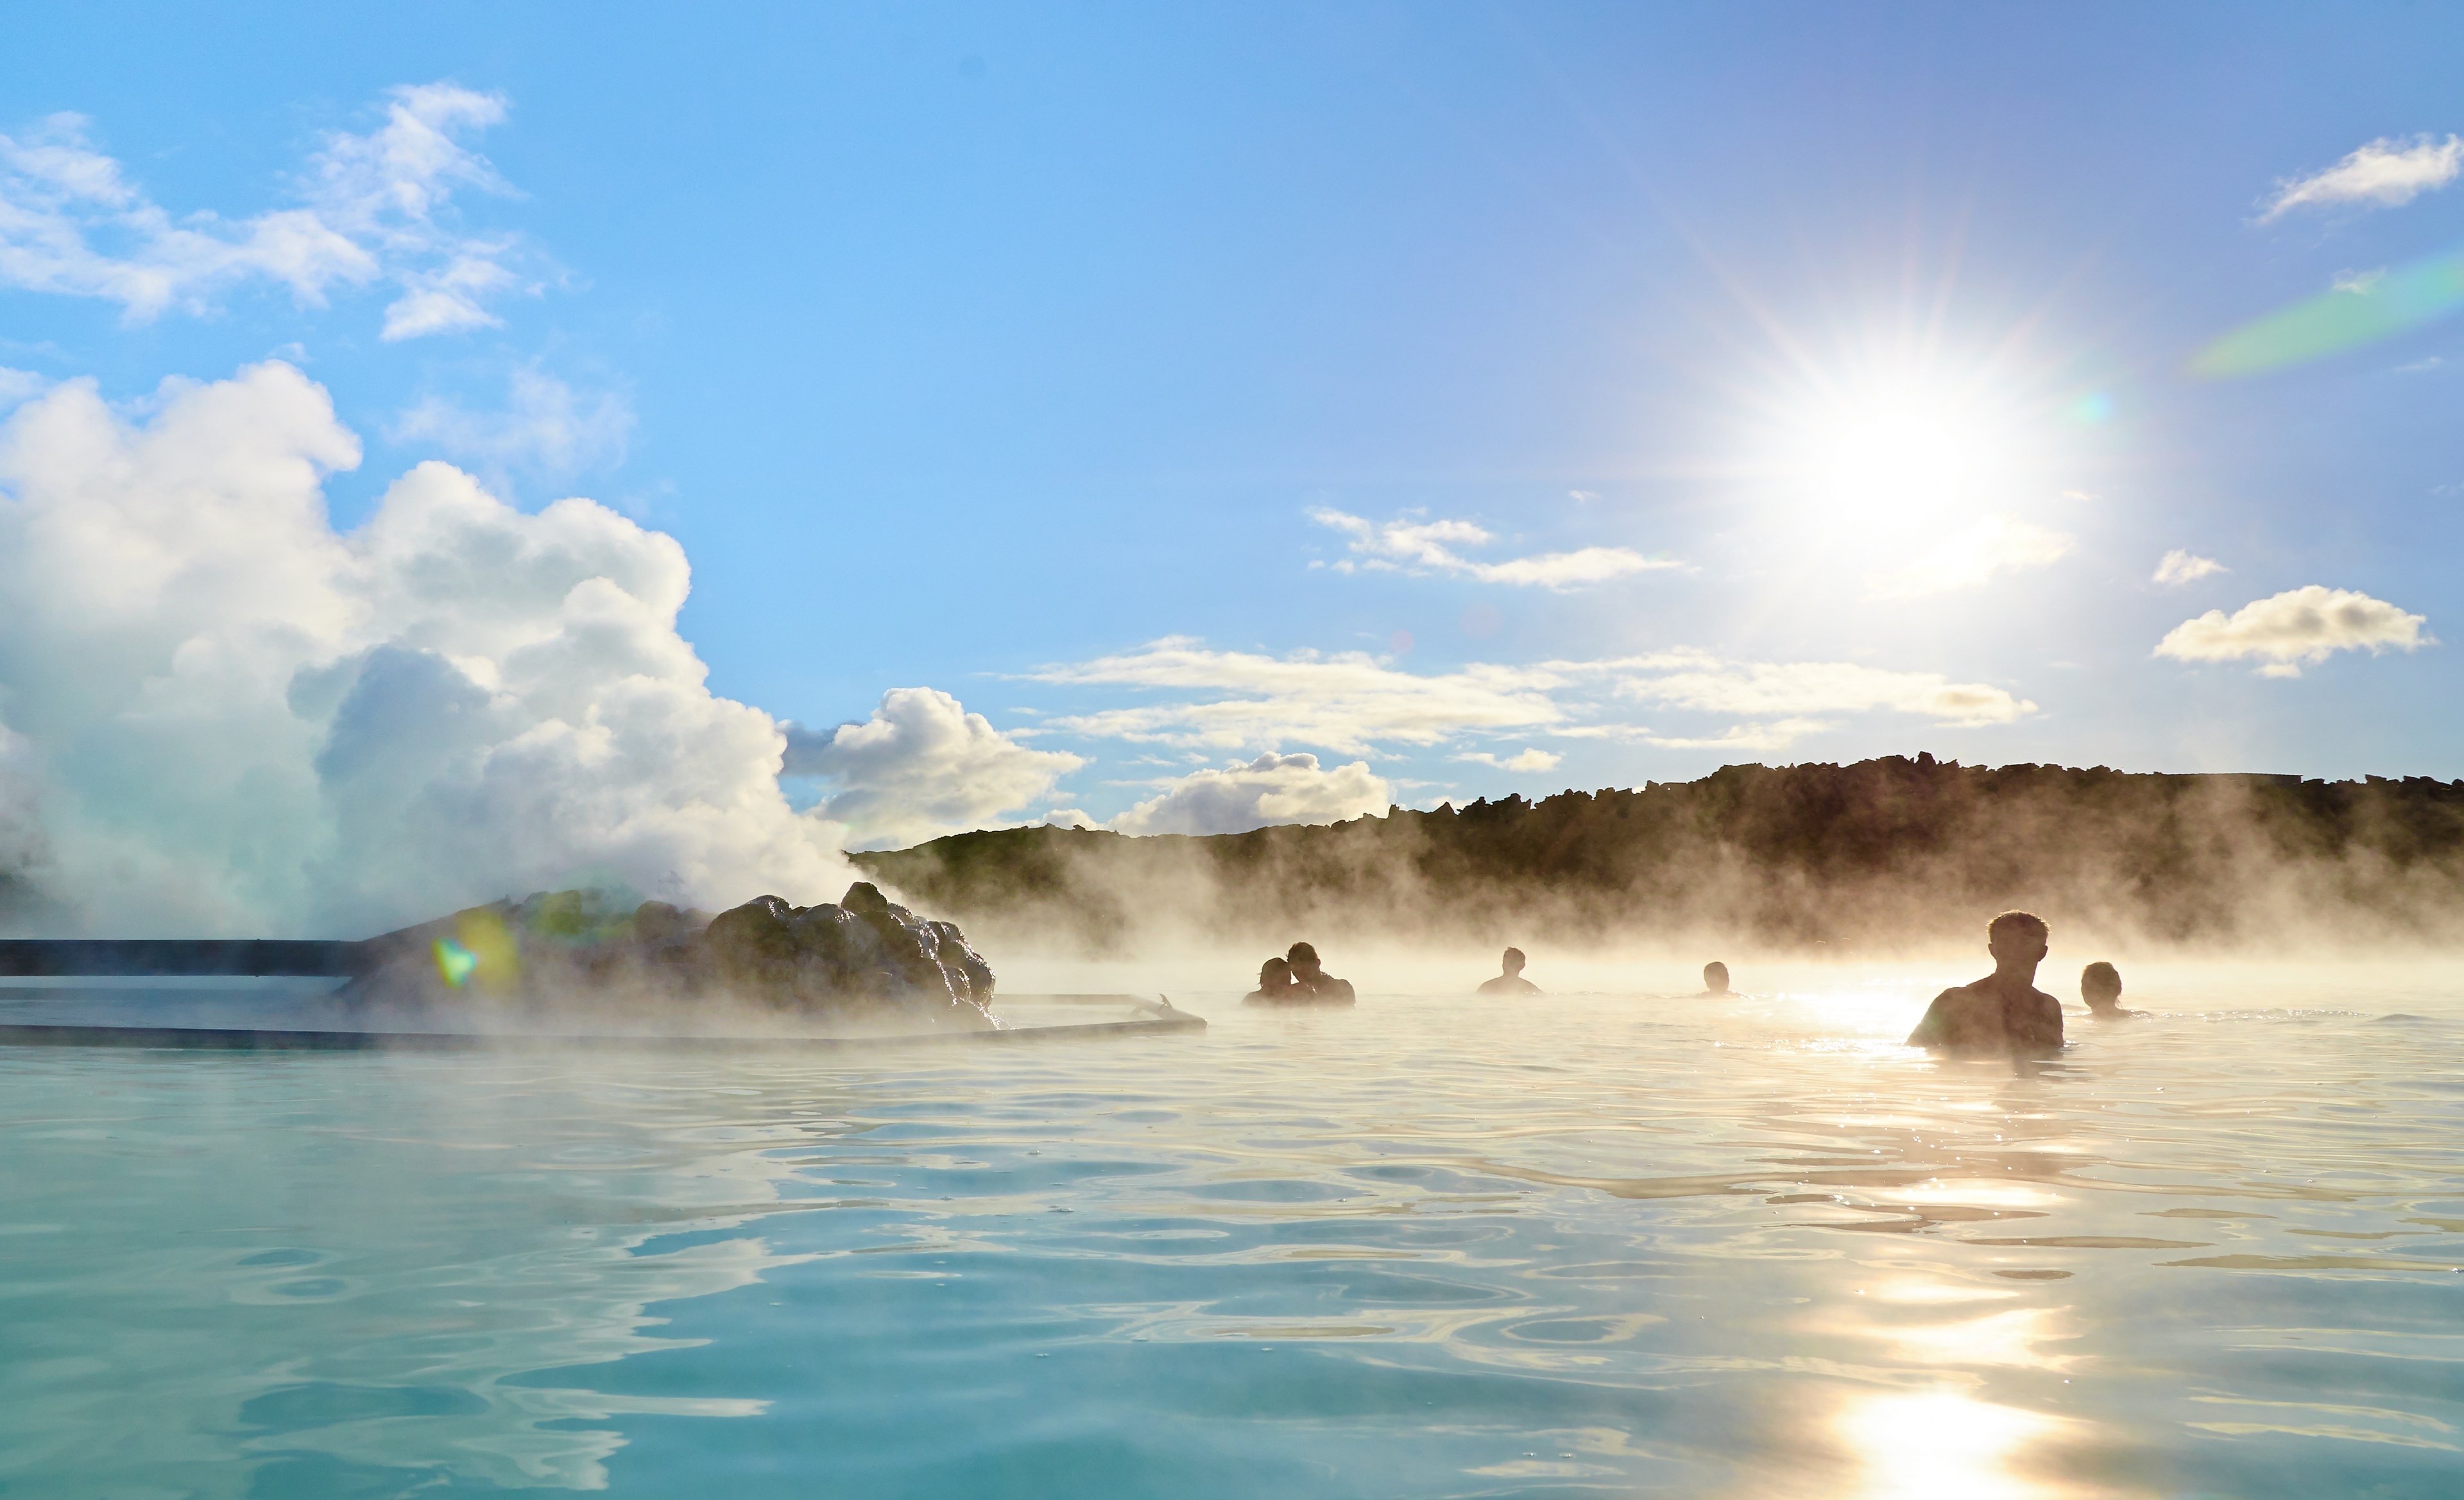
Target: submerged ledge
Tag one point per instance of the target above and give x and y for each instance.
(1159, 1016)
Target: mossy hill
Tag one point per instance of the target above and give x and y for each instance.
(1874, 853)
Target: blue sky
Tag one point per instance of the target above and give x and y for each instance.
(1502, 398)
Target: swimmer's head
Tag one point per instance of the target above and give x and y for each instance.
(1273, 975)
(1514, 960)
(1715, 977)
(2018, 938)
(1304, 960)
(2101, 985)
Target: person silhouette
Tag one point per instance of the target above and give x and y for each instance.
(1322, 986)
(2100, 987)
(2002, 1012)
(1274, 985)
(1715, 982)
(1511, 982)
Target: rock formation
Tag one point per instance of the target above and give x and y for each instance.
(865, 956)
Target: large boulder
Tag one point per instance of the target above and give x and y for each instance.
(865, 955)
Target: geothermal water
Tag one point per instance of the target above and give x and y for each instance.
(1596, 1244)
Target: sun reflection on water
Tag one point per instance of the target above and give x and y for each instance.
(1944, 1444)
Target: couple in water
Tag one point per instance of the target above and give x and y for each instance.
(2005, 1012)
(1296, 980)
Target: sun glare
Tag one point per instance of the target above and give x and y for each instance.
(1891, 449)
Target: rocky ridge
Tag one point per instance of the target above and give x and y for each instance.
(861, 957)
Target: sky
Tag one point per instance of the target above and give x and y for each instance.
(475, 444)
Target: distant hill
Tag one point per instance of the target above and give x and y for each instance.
(1877, 854)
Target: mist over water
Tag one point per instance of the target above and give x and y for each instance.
(1583, 1244)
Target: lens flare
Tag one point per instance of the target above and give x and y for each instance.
(455, 962)
(2360, 310)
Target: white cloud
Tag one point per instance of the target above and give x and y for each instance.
(1352, 702)
(2180, 566)
(1758, 737)
(1529, 761)
(19, 385)
(2357, 282)
(1345, 702)
(1429, 546)
(1709, 684)
(228, 717)
(375, 208)
(1582, 497)
(922, 766)
(545, 428)
(2300, 624)
(2386, 173)
(1973, 557)
(1270, 789)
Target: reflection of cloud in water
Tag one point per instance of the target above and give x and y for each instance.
(584, 1308)
(368, 1264)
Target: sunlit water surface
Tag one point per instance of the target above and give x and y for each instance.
(1588, 1245)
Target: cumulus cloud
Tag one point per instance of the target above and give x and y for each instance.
(222, 715)
(545, 428)
(373, 208)
(921, 767)
(1269, 790)
(2386, 173)
(1971, 557)
(1415, 546)
(1529, 761)
(1353, 703)
(2180, 566)
(2300, 624)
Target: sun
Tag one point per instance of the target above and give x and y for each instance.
(1901, 446)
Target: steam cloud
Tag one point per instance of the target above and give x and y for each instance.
(219, 715)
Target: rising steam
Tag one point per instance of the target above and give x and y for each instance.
(220, 715)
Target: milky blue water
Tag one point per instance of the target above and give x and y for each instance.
(1584, 1245)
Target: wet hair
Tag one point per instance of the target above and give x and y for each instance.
(1274, 969)
(1514, 959)
(1715, 966)
(2028, 923)
(1302, 953)
(2103, 976)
